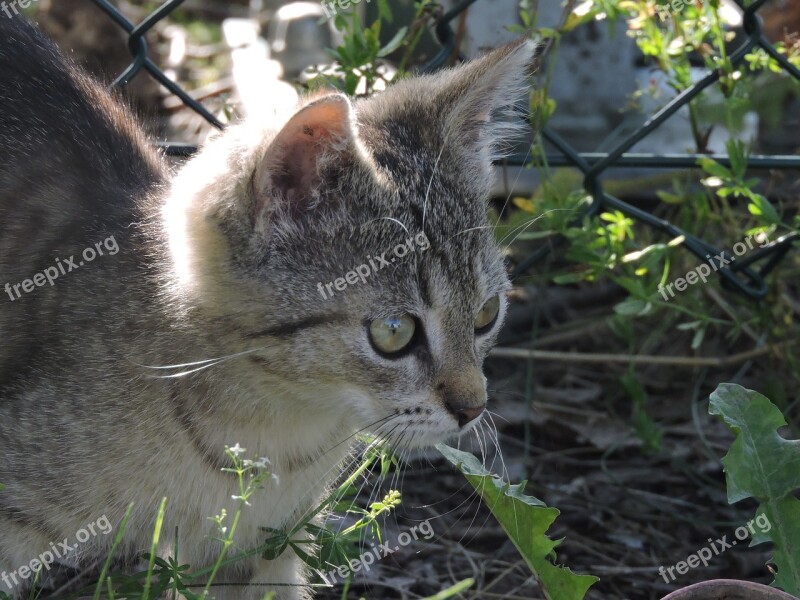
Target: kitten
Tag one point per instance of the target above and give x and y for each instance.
(123, 284)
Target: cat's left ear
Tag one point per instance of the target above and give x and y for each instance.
(479, 100)
(290, 171)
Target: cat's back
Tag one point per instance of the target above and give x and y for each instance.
(74, 167)
(60, 131)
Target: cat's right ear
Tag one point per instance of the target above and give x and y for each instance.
(289, 174)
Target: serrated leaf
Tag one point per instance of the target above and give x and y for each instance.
(763, 465)
(525, 520)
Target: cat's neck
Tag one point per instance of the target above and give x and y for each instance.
(292, 424)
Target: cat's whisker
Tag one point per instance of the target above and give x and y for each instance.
(430, 183)
(397, 445)
(494, 439)
(204, 364)
(403, 461)
(363, 429)
(355, 457)
(368, 474)
(472, 523)
(185, 373)
(505, 205)
(521, 227)
(524, 226)
(514, 185)
(392, 219)
(199, 362)
(472, 499)
(480, 445)
(470, 229)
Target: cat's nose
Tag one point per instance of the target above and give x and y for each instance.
(465, 414)
(463, 393)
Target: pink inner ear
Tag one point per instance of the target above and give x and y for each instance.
(291, 163)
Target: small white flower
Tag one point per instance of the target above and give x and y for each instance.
(262, 463)
(237, 450)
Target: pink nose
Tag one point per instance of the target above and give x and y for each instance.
(465, 414)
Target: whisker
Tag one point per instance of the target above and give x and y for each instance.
(430, 183)
(205, 364)
(388, 219)
(514, 185)
(362, 430)
(524, 226)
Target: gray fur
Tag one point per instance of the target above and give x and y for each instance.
(223, 260)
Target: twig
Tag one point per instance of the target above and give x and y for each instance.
(728, 310)
(627, 359)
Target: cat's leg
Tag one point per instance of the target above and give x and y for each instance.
(7, 578)
(21, 547)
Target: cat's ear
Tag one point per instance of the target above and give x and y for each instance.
(479, 99)
(290, 170)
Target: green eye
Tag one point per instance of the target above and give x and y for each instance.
(392, 335)
(487, 314)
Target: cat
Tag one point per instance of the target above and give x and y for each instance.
(149, 318)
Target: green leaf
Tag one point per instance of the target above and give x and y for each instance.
(394, 43)
(633, 307)
(760, 206)
(275, 545)
(712, 167)
(525, 520)
(453, 590)
(568, 278)
(385, 11)
(670, 198)
(763, 465)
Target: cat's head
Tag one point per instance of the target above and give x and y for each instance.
(350, 248)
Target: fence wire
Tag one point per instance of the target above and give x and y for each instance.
(743, 275)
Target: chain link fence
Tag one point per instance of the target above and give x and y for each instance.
(746, 276)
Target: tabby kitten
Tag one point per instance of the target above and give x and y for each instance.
(123, 374)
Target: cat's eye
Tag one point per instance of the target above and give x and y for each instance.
(392, 335)
(488, 314)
